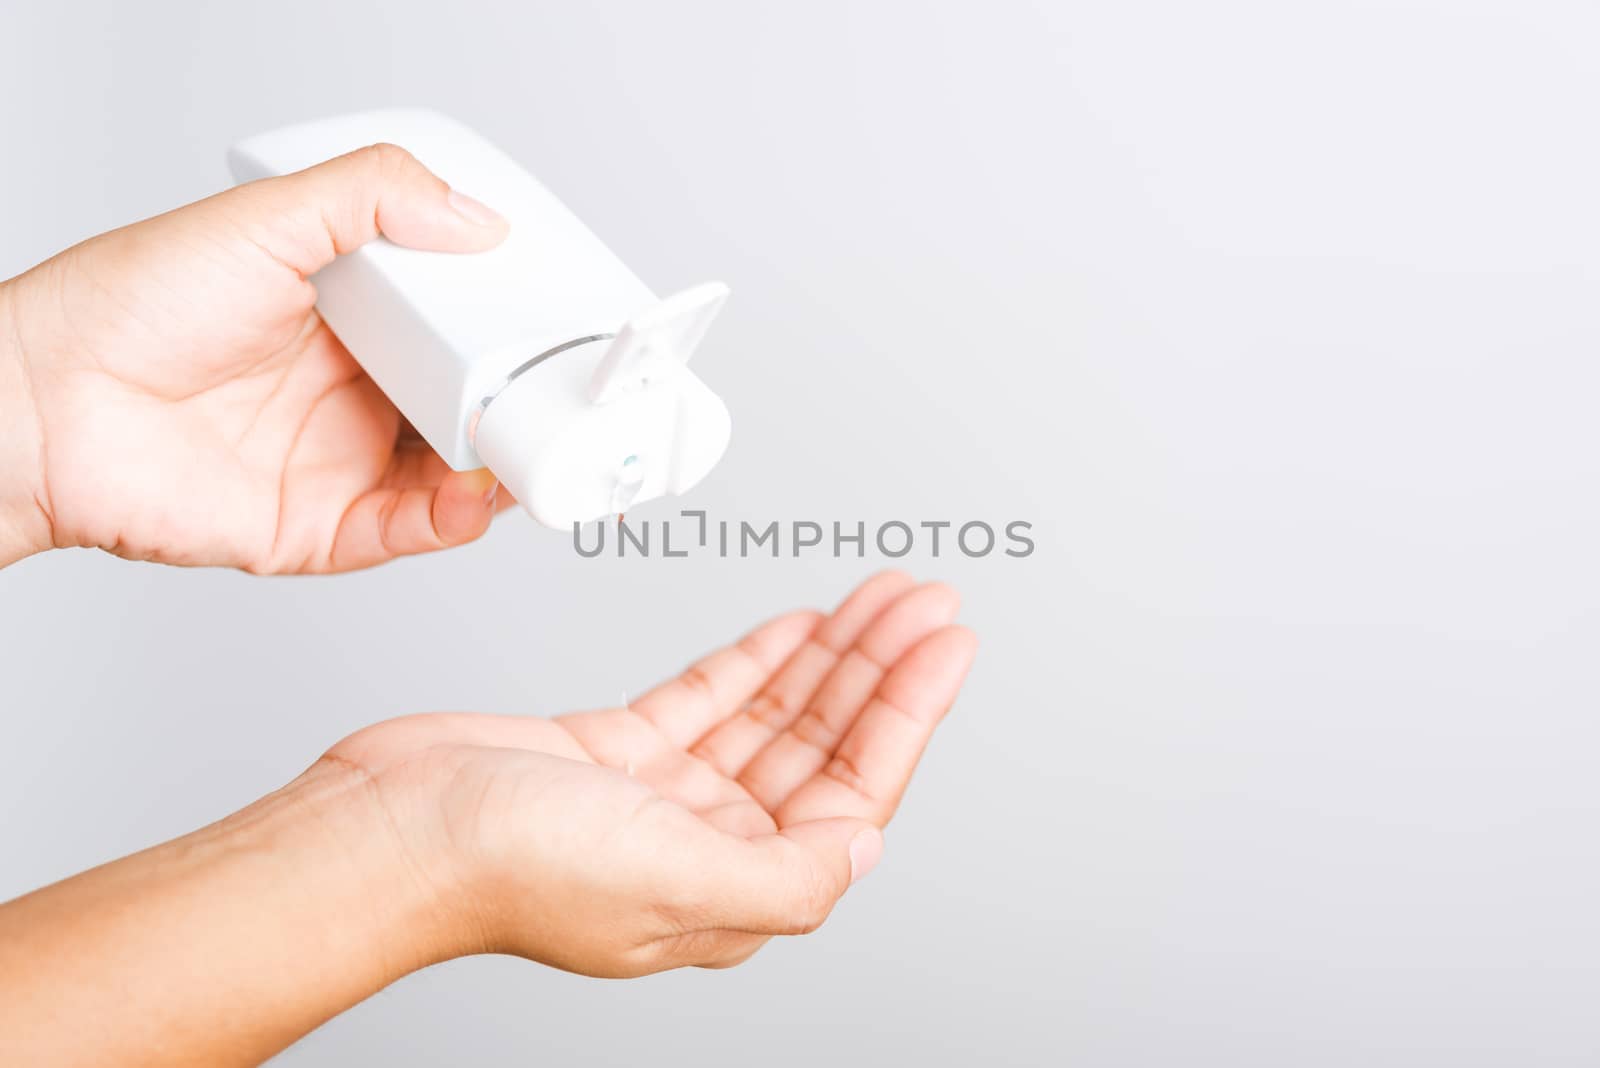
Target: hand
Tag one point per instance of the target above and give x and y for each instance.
(759, 781)
(171, 394)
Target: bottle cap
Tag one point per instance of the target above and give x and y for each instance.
(600, 424)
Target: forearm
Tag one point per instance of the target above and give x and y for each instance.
(223, 946)
(24, 523)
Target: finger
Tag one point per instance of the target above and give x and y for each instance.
(802, 750)
(730, 744)
(306, 219)
(868, 773)
(416, 464)
(396, 521)
(784, 883)
(711, 689)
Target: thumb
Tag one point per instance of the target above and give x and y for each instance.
(306, 219)
(788, 883)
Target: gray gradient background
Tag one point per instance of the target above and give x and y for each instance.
(1277, 320)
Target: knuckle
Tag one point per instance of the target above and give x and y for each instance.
(387, 158)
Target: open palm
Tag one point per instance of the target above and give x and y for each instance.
(732, 803)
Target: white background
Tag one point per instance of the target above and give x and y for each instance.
(1278, 322)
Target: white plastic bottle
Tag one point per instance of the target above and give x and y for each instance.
(545, 359)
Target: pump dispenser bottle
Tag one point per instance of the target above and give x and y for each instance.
(545, 359)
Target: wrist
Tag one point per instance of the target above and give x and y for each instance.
(394, 903)
(24, 519)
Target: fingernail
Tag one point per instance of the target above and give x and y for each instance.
(486, 484)
(474, 211)
(865, 850)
